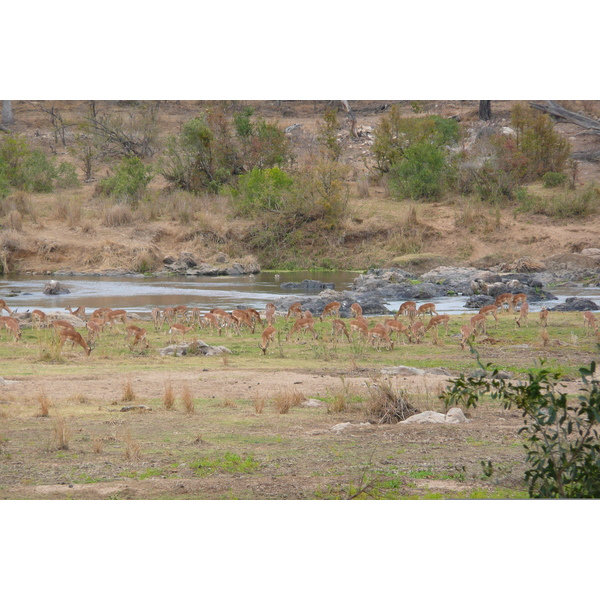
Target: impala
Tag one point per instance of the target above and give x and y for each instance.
(466, 332)
(589, 320)
(168, 314)
(118, 315)
(356, 309)
(407, 308)
(197, 316)
(60, 324)
(523, 312)
(242, 318)
(254, 315)
(268, 335)
(140, 337)
(295, 309)
(338, 327)
(131, 331)
(13, 326)
(518, 299)
(38, 317)
(157, 318)
(417, 331)
(427, 308)
(211, 320)
(79, 312)
(379, 334)
(270, 314)
(361, 326)
(100, 312)
(179, 328)
(505, 299)
(94, 327)
(302, 325)
(333, 308)
(308, 315)
(181, 311)
(4, 306)
(490, 309)
(75, 338)
(544, 317)
(478, 323)
(396, 327)
(437, 321)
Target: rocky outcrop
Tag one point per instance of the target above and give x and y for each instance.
(307, 284)
(186, 264)
(195, 348)
(576, 304)
(55, 288)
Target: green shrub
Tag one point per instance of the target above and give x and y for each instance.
(395, 134)
(570, 205)
(130, 181)
(66, 176)
(421, 174)
(263, 189)
(562, 440)
(327, 135)
(552, 180)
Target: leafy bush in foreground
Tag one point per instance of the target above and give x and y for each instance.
(562, 444)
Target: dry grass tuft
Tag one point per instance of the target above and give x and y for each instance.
(62, 433)
(187, 400)
(229, 403)
(44, 403)
(128, 393)
(286, 399)
(259, 404)
(133, 450)
(388, 404)
(97, 445)
(117, 215)
(14, 221)
(168, 396)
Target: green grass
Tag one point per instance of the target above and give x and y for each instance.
(228, 463)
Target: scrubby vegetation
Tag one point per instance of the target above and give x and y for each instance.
(234, 181)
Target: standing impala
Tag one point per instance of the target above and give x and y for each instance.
(437, 321)
(407, 308)
(589, 320)
(523, 312)
(338, 327)
(544, 317)
(38, 317)
(302, 325)
(79, 312)
(490, 309)
(505, 299)
(427, 308)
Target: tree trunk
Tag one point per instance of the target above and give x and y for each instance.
(485, 110)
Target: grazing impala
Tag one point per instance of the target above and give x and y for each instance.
(157, 318)
(427, 309)
(417, 331)
(544, 317)
(505, 299)
(60, 324)
(523, 312)
(211, 321)
(242, 318)
(437, 321)
(11, 325)
(478, 323)
(338, 327)
(168, 315)
(408, 308)
(518, 299)
(466, 332)
(118, 315)
(268, 336)
(254, 315)
(379, 334)
(295, 309)
(131, 331)
(356, 309)
(4, 306)
(181, 311)
(140, 338)
(396, 327)
(361, 326)
(490, 309)
(302, 325)
(75, 338)
(38, 317)
(100, 312)
(589, 320)
(333, 308)
(94, 327)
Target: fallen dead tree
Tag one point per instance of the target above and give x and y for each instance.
(556, 110)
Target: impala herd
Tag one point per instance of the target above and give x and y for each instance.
(179, 321)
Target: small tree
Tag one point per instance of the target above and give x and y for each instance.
(562, 444)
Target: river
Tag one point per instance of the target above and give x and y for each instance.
(141, 294)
